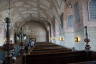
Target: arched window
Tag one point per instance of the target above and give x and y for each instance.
(92, 9)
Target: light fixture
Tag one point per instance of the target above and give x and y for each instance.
(61, 38)
(77, 39)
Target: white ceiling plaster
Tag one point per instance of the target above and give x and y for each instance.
(27, 9)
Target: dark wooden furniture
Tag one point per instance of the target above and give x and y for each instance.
(60, 58)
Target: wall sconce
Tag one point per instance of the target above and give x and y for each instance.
(61, 38)
(77, 39)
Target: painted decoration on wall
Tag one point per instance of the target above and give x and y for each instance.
(70, 21)
(53, 25)
(59, 3)
(61, 19)
(77, 12)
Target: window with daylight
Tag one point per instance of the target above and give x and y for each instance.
(92, 10)
(70, 21)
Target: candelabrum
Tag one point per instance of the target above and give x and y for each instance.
(25, 48)
(87, 40)
(8, 46)
(22, 49)
(22, 44)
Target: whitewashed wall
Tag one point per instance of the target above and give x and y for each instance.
(78, 29)
(36, 31)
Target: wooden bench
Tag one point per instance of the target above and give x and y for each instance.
(60, 58)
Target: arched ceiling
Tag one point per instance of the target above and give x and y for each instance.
(24, 10)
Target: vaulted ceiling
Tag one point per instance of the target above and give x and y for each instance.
(26, 10)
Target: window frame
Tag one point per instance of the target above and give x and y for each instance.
(89, 15)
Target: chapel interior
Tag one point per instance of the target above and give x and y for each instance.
(47, 31)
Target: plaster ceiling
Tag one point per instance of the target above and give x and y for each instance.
(24, 10)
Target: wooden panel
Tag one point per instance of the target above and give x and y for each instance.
(60, 58)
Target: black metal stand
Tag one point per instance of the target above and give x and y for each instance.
(8, 45)
(22, 45)
(87, 40)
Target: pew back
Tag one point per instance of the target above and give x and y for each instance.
(60, 58)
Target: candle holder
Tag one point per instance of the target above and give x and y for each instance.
(87, 40)
(8, 46)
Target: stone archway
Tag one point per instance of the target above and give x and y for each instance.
(35, 29)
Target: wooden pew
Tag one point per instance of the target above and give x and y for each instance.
(48, 48)
(60, 58)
